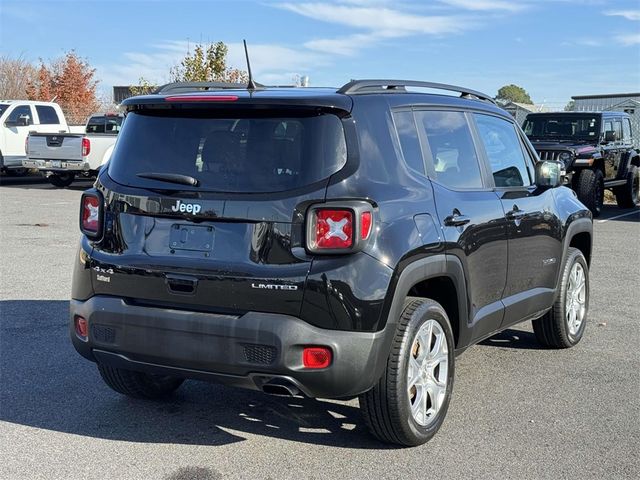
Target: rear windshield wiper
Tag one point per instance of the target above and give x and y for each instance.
(170, 178)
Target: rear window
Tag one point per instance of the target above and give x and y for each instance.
(248, 154)
(104, 124)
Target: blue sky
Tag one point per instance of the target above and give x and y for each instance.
(553, 48)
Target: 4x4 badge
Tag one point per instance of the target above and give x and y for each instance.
(186, 207)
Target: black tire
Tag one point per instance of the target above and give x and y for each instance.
(590, 189)
(61, 180)
(386, 408)
(138, 384)
(552, 329)
(628, 195)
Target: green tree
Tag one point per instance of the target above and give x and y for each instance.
(569, 107)
(513, 93)
(207, 63)
(144, 87)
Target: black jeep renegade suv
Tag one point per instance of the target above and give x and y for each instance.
(320, 242)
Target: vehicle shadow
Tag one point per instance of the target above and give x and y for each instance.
(511, 338)
(46, 384)
(38, 182)
(615, 214)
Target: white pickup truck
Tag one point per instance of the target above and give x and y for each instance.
(62, 157)
(17, 119)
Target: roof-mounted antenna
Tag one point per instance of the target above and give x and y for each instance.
(251, 85)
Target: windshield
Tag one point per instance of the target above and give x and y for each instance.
(249, 154)
(585, 127)
(3, 107)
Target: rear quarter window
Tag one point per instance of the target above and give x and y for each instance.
(47, 115)
(239, 153)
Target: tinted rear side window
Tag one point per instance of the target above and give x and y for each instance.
(455, 162)
(409, 142)
(47, 115)
(248, 154)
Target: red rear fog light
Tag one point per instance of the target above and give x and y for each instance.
(316, 357)
(82, 326)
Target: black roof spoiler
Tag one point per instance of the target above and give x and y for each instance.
(355, 87)
(184, 87)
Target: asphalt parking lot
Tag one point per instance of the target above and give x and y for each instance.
(518, 411)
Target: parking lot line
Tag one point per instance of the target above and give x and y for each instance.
(618, 216)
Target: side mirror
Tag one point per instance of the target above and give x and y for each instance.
(610, 136)
(548, 174)
(10, 123)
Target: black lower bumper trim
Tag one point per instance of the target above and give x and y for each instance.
(245, 351)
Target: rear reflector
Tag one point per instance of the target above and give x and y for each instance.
(316, 357)
(332, 229)
(202, 98)
(82, 326)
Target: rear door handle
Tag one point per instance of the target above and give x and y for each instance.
(456, 219)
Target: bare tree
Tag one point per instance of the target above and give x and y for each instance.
(15, 76)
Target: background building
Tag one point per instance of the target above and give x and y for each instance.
(521, 110)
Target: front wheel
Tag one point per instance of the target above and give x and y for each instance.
(628, 195)
(563, 325)
(61, 180)
(590, 189)
(408, 404)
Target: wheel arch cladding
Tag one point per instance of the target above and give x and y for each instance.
(441, 278)
(582, 241)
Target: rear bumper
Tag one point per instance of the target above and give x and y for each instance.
(63, 166)
(11, 162)
(246, 351)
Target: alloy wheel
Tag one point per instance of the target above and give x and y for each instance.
(427, 372)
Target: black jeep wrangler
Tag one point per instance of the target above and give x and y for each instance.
(330, 243)
(596, 151)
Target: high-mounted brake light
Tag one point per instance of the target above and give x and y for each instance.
(86, 146)
(201, 98)
(91, 214)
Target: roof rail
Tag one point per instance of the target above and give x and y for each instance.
(183, 87)
(390, 86)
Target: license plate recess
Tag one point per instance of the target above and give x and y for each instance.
(196, 238)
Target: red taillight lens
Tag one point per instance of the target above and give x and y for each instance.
(90, 214)
(365, 225)
(82, 326)
(86, 146)
(316, 357)
(333, 229)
